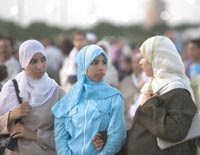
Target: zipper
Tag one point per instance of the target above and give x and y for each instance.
(84, 131)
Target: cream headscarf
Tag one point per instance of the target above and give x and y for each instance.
(168, 68)
(35, 91)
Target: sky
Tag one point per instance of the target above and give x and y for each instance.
(69, 13)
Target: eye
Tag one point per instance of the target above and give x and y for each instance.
(94, 62)
(43, 59)
(33, 61)
(104, 62)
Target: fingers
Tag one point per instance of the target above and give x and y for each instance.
(17, 135)
(98, 142)
(22, 110)
(156, 94)
(25, 107)
(18, 131)
(147, 96)
(97, 136)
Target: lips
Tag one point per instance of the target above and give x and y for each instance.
(100, 74)
(40, 73)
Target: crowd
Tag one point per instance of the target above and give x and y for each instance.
(83, 95)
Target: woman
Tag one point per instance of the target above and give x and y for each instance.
(39, 93)
(167, 108)
(90, 107)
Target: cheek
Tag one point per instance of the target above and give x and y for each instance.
(30, 70)
(44, 66)
(90, 72)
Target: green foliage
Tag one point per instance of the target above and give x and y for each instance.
(39, 30)
(8, 28)
(134, 33)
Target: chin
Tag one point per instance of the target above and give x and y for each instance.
(99, 80)
(38, 76)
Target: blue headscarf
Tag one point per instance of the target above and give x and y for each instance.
(85, 87)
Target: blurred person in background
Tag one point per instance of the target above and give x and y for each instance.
(3, 75)
(194, 53)
(116, 51)
(7, 58)
(193, 48)
(130, 87)
(194, 69)
(68, 72)
(187, 60)
(174, 36)
(66, 46)
(55, 58)
(138, 96)
(91, 38)
(125, 67)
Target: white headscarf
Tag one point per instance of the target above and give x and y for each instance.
(168, 68)
(35, 91)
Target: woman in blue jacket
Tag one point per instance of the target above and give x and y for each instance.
(91, 106)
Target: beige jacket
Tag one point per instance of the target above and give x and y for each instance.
(41, 120)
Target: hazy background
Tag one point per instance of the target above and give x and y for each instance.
(83, 13)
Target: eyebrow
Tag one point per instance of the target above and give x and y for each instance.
(38, 58)
(33, 59)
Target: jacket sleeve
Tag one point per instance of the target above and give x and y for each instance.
(61, 137)
(168, 119)
(116, 132)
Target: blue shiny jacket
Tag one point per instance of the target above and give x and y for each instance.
(74, 131)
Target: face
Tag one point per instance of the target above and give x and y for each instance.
(135, 65)
(5, 49)
(193, 51)
(146, 67)
(97, 69)
(79, 41)
(37, 66)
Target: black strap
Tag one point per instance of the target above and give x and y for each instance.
(17, 91)
(18, 97)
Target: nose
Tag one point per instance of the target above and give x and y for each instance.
(39, 65)
(101, 66)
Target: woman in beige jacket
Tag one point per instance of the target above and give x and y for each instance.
(39, 92)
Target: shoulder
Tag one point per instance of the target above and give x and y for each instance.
(8, 86)
(116, 99)
(178, 92)
(60, 90)
(114, 92)
(59, 108)
(62, 106)
(178, 96)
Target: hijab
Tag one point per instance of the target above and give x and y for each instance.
(35, 91)
(167, 65)
(85, 87)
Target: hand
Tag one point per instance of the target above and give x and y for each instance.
(20, 130)
(146, 97)
(20, 111)
(98, 142)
